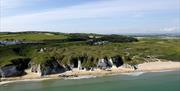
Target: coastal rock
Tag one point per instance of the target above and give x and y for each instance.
(79, 65)
(67, 67)
(15, 68)
(117, 61)
(103, 64)
(52, 67)
(113, 65)
(10, 71)
(49, 67)
(36, 68)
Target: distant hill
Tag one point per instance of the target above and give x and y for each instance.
(31, 36)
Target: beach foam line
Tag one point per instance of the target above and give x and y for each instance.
(25, 80)
(163, 71)
(5, 82)
(80, 77)
(134, 73)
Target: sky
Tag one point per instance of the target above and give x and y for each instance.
(91, 16)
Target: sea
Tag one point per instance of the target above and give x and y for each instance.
(135, 81)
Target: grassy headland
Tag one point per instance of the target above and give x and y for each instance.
(69, 47)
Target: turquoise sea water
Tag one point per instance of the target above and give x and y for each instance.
(153, 81)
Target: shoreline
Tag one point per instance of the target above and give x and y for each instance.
(144, 67)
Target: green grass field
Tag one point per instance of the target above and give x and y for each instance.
(32, 36)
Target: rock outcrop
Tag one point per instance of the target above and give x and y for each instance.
(49, 67)
(36, 68)
(107, 63)
(16, 68)
(10, 71)
(52, 66)
(117, 61)
(103, 64)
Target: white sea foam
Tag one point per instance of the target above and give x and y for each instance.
(81, 77)
(25, 80)
(163, 71)
(134, 73)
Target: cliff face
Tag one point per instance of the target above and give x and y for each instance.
(108, 63)
(117, 61)
(103, 64)
(36, 68)
(53, 66)
(16, 68)
(49, 67)
(10, 71)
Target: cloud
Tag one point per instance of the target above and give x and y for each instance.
(99, 9)
(171, 29)
(96, 9)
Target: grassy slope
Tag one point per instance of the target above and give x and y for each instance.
(160, 48)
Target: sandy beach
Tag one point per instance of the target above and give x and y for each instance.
(145, 67)
(155, 66)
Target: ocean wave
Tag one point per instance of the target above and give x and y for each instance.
(80, 77)
(134, 73)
